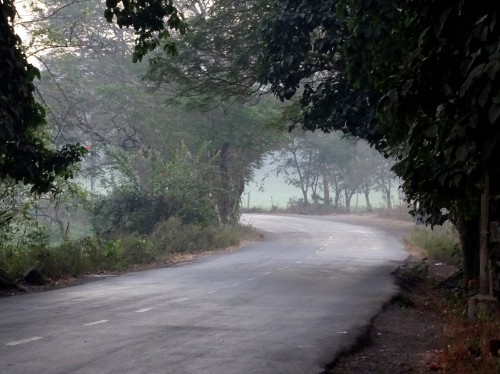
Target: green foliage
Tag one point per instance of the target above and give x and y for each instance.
(441, 243)
(126, 210)
(439, 93)
(31, 248)
(174, 237)
(151, 21)
(183, 187)
(217, 56)
(430, 68)
(438, 87)
(24, 155)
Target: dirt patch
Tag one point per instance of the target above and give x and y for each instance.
(404, 338)
(408, 334)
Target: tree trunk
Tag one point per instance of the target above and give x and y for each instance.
(348, 198)
(388, 194)
(366, 191)
(337, 193)
(326, 190)
(484, 288)
(224, 200)
(468, 231)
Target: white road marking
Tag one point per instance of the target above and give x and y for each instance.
(321, 248)
(283, 268)
(308, 258)
(251, 279)
(298, 262)
(325, 271)
(211, 292)
(267, 273)
(144, 310)
(97, 322)
(17, 342)
(180, 299)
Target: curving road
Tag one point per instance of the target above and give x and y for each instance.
(287, 304)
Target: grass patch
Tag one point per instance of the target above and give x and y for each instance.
(440, 243)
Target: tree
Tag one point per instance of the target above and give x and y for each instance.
(316, 162)
(217, 59)
(25, 155)
(439, 108)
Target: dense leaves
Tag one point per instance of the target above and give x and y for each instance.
(434, 63)
(24, 156)
(151, 21)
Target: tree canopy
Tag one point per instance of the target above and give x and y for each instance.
(432, 64)
(426, 74)
(25, 156)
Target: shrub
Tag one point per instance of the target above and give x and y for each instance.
(172, 237)
(440, 243)
(129, 211)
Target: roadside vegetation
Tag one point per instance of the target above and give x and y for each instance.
(112, 161)
(470, 346)
(440, 243)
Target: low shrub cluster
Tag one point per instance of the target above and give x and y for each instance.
(441, 243)
(123, 251)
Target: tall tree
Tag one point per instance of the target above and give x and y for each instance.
(439, 111)
(25, 156)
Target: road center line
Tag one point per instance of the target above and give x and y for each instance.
(180, 299)
(251, 279)
(17, 342)
(97, 322)
(144, 310)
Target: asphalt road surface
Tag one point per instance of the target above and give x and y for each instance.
(287, 304)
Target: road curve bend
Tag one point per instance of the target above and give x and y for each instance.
(286, 305)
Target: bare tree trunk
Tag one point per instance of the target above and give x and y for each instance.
(326, 189)
(348, 198)
(224, 200)
(366, 190)
(388, 194)
(483, 239)
(303, 185)
(468, 231)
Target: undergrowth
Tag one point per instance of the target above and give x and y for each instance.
(122, 251)
(473, 346)
(440, 243)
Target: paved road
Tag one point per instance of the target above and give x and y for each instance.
(283, 305)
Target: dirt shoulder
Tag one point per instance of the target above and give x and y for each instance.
(407, 335)
(404, 337)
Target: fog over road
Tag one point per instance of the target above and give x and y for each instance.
(285, 305)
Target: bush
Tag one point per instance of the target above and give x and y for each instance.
(129, 211)
(172, 237)
(440, 243)
(25, 246)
